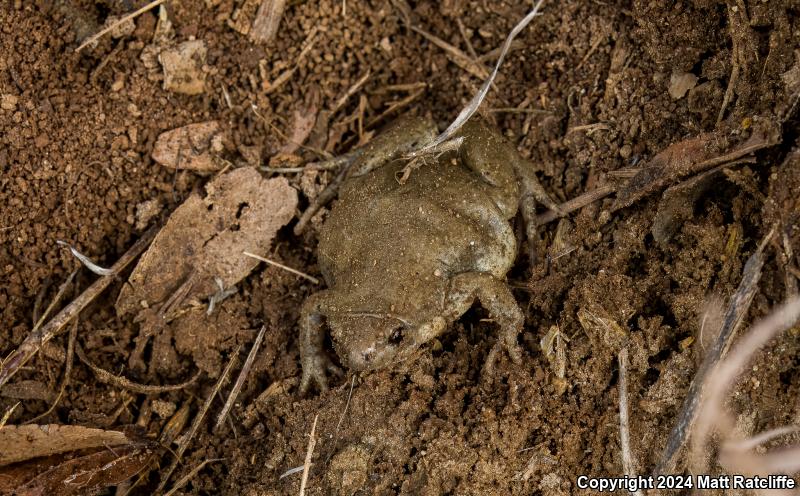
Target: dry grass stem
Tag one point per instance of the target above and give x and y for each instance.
(90, 40)
(476, 101)
(312, 441)
(712, 413)
(284, 267)
(86, 261)
(292, 471)
(731, 320)
(56, 300)
(39, 336)
(286, 75)
(73, 336)
(197, 422)
(8, 414)
(734, 66)
(107, 377)
(395, 106)
(186, 478)
(460, 58)
(237, 387)
(574, 204)
(355, 88)
(465, 37)
(628, 463)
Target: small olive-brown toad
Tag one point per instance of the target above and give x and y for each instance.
(404, 261)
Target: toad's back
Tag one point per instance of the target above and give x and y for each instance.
(442, 221)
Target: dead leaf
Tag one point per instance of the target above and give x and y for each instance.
(23, 442)
(79, 476)
(304, 120)
(183, 67)
(692, 156)
(204, 238)
(190, 147)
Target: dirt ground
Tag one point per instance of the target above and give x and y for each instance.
(590, 92)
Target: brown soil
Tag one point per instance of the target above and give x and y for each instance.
(76, 135)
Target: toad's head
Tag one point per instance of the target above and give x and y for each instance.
(369, 341)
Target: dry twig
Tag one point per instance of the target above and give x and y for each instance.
(732, 319)
(121, 21)
(624, 429)
(268, 18)
(73, 336)
(281, 266)
(312, 441)
(107, 377)
(237, 386)
(186, 478)
(198, 420)
(476, 101)
(574, 204)
(38, 337)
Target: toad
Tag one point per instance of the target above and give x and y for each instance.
(403, 261)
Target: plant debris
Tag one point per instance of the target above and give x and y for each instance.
(193, 147)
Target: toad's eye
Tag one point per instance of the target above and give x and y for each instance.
(396, 337)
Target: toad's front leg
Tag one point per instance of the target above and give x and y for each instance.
(495, 297)
(313, 358)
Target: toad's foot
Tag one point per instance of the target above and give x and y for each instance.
(314, 360)
(495, 297)
(315, 367)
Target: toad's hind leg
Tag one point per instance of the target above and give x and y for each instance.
(495, 297)
(313, 358)
(498, 162)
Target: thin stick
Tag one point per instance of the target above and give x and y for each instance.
(198, 420)
(284, 267)
(734, 69)
(73, 336)
(460, 58)
(107, 377)
(346, 405)
(237, 387)
(476, 101)
(186, 478)
(341, 419)
(38, 337)
(312, 441)
(122, 20)
(470, 48)
(350, 92)
(59, 294)
(732, 319)
(575, 204)
(8, 414)
(624, 429)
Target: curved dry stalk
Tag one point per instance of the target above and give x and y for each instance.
(472, 107)
(107, 377)
(41, 335)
